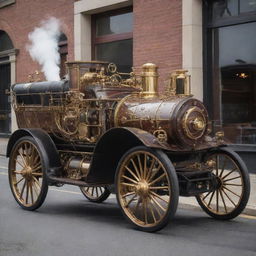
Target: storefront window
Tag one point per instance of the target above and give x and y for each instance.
(232, 70)
(112, 38)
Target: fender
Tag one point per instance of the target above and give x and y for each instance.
(43, 140)
(111, 147)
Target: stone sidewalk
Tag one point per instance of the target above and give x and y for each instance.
(186, 202)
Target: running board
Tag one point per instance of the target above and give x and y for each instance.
(57, 180)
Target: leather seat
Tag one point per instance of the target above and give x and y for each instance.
(30, 93)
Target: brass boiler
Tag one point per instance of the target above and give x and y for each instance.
(176, 118)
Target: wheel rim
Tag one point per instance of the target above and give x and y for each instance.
(230, 188)
(93, 192)
(26, 175)
(144, 189)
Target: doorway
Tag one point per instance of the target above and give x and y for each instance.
(5, 99)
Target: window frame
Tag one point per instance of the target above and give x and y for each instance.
(96, 40)
(210, 79)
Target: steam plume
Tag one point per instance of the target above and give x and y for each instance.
(43, 47)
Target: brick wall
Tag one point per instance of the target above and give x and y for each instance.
(157, 34)
(19, 19)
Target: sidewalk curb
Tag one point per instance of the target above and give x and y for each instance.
(247, 211)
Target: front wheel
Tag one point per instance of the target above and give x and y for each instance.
(147, 188)
(232, 191)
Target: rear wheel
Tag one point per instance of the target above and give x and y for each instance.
(231, 195)
(27, 176)
(96, 194)
(147, 188)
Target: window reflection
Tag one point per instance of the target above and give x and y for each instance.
(237, 74)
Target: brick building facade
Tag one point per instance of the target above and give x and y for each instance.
(21, 17)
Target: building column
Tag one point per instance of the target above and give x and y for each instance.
(192, 44)
(12, 59)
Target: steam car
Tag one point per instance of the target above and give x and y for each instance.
(100, 128)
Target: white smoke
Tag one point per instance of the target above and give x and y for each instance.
(43, 47)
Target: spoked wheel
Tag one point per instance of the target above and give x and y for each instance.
(27, 175)
(96, 194)
(147, 188)
(232, 191)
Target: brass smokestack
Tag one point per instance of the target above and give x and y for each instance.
(149, 79)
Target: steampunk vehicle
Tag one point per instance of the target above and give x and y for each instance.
(100, 128)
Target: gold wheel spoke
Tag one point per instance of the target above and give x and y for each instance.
(150, 169)
(223, 167)
(145, 166)
(158, 204)
(26, 151)
(232, 179)
(232, 184)
(17, 182)
(145, 212)
(206, 195)
(22, 165)
(154, 173)
(229, 173)
(157, 179)
(159, 197)
(159, 187)
(217, 200)
(23, 188)
(136, 168)
(229, 198)
(18, 172)
(37, 168)
(37, 182)
(35, 188)
(35, 160)
(130, 200)
(209, 203)
(27, 194)
(231, 191)
(137, 205)
(128, 194)
(131, 172)
(140, 165)
(152, 211)
(31, 193)
(127, 184)
(23, 159)
(131, 180)
(222, 198)
(157, 209)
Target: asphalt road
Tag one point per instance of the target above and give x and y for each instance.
(67, 224)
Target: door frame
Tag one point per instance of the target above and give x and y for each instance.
(9, 57)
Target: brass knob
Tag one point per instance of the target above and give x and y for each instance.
(198, 124)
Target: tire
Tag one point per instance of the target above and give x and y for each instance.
(96, 194)
(230, 198)
(27, 174)
(148, 208)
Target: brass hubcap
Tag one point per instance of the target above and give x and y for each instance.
(230, 186)
(143, 188)
(26, 174)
